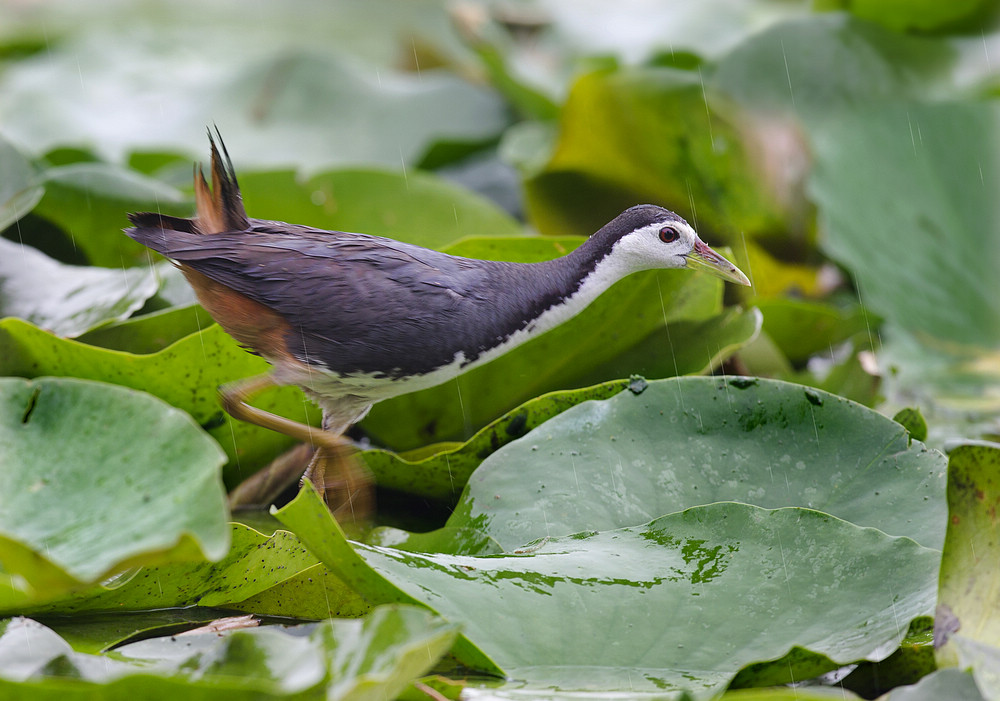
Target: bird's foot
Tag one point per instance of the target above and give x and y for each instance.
(343, 481)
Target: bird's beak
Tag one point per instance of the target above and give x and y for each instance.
(704, 258)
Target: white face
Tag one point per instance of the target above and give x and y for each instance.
(661, 245)
(669, 244)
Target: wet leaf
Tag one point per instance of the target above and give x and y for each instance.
(256, 567)
(917, 285)
(185, 374)
(967, 622)
(687, 441)
(374, 657)
(98, 478)
(648, 135)
(67, 300)
(89, 202)
(415, 207)
(276, 101)
(20, 188)
(682, 602)
(952, 684)
(443, 474)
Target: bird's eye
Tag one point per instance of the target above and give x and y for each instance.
(669, 234)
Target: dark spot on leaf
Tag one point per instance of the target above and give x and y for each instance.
(742, 382)
(515, 427)
(814, 397)
(32, 402)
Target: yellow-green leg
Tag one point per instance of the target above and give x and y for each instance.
(341, 479)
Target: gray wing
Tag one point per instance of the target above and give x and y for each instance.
(356, 303)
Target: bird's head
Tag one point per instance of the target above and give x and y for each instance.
(646, 236)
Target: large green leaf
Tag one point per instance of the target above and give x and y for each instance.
(370, 658)
(682, 602)
(686, 441)
(254, 566)
(96, 478)
(277, 102)
(648, 134)
(677, 348)
(67, 299)
(185, 374)
(918, 257)
(415, 207)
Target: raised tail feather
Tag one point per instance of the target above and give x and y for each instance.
(220, 209)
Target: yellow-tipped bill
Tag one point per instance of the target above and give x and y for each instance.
(704, 258)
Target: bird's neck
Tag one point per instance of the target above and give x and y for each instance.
(569, 284)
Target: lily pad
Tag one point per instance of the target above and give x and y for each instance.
(374, 657)
(681, 603)
(97, 478)
(295, 104)
(67, 300)
(255, 566)
(185, 374)
(687, 441)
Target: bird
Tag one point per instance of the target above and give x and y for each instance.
(354, 319)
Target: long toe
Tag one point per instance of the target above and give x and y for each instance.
(343, 481)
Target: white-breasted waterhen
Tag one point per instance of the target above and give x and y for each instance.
(353, 319)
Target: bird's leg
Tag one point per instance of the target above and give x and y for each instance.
(341, 479)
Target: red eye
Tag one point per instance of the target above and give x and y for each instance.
(669, 234)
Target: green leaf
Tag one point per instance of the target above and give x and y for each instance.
(803, 328)
(893, 244)
(277, 101)
(648, 135)
(67, 300)
(89, 202)
(415, 207)
(443, 474)
(97, 478)
(256, 567)
(687, 441)
(967, 601)
(919, 15)
(185, 374)
(374, 657)
(951, 684)
(150, 333)
(913, 421)
(693, 347)
(20, 189)
(682, 602)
